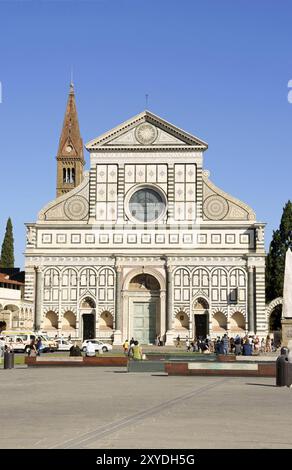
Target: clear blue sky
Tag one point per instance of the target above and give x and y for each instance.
(218, 69)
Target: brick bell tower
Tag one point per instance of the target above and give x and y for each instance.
(70, 157)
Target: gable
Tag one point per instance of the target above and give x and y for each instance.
(146, 130)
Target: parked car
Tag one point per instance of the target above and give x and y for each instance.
(20, 340)
(63, 344)
(105, 347)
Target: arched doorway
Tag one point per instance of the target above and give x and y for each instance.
(274, 318)
(201, 318)
(69, 324)
(219, 323)
(237, 324)
(87, 310)
(144, 291)
(181, 324)
(51, 322)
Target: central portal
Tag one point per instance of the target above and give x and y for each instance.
(144, 322)
(87, 312)
(144, 311)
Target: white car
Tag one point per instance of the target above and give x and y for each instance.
(105, 347)
(63, 344)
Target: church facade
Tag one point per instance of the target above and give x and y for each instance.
(143, 244)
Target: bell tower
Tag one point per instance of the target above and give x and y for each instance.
(70, 157)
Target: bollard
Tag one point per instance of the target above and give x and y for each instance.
(281, 371)
(8, 360)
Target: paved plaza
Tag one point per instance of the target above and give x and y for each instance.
(108, 408)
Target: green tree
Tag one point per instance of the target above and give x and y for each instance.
(7, 251)
(275, 264)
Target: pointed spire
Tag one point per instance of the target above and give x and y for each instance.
(70, 143)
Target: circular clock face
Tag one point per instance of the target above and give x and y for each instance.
(146, 134)
(69, 148)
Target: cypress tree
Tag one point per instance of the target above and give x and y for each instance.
(275, 263)
(7, 251)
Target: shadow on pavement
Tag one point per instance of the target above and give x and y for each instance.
(262, 385)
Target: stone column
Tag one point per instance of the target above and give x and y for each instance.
(118, 306)
(38, 298)
(169, 307)
(251, 322)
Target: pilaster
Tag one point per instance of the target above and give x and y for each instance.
(38, 298)
(118, 306)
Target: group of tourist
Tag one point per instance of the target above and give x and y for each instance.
(133, 349)
(246, 345)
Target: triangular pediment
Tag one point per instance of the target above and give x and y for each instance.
(146, 130)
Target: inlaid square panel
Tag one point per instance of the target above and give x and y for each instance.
(188, 238)
(46, 238)
(202, 238)
(159, 238)
(230, 238)
(215, 238)
(146, 238)
(103, 238)
(132, 238)
(75, 238)
(173, 238)
(118, 238)
(89, 238)
(61, 238)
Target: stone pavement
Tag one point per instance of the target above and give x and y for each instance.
(104, 408)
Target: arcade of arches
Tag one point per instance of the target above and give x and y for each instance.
(13, 317)
(143, 308)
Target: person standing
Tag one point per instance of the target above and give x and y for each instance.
(126, 347)
(137, 352)
(256, 345)
(237, 344)
(178, 341)
(268, 344)
(225, 344)
(39, 346)
(32, 350)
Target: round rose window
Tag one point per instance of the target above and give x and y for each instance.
(146, 205)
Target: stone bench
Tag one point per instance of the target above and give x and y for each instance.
(232, 369)
(145, 366)
(104, 361)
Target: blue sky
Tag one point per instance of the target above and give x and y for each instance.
(218, 69)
